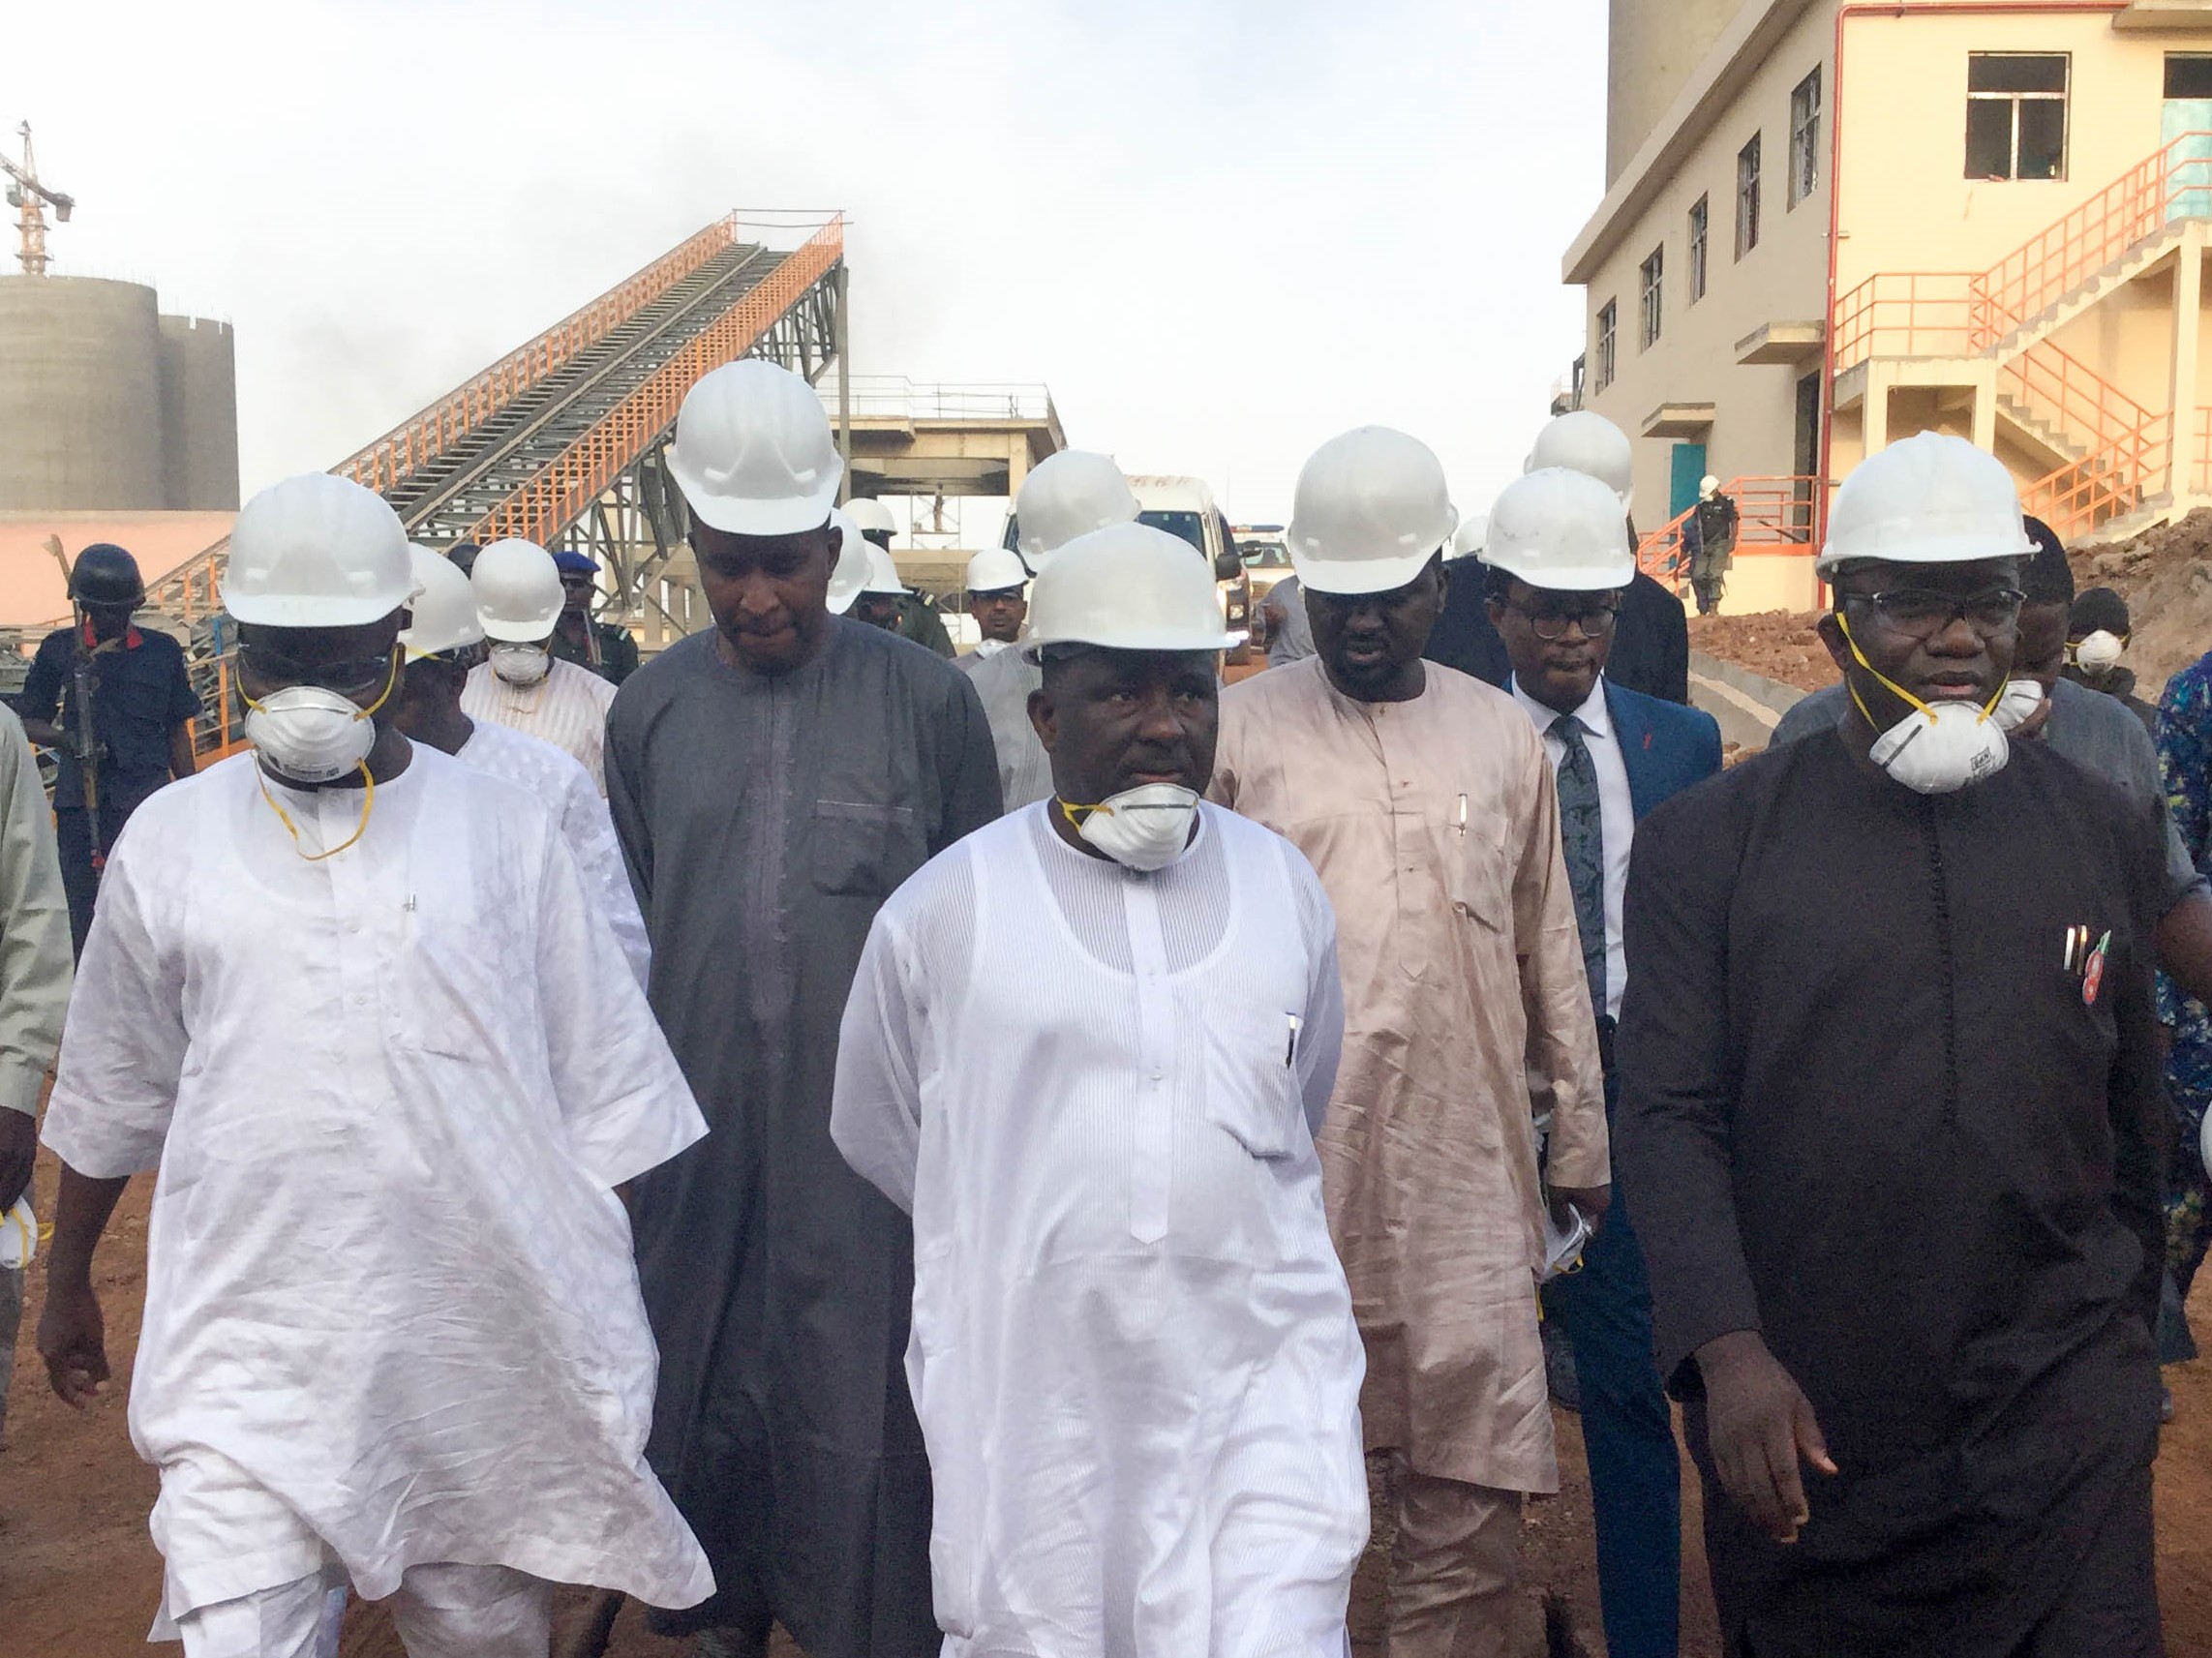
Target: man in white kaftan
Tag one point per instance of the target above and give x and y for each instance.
(1132, 1352)
(385, 1058)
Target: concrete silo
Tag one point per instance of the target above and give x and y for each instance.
(1652, 48)
(199, 416)
(80, 396)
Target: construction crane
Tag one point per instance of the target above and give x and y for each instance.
(30, 199)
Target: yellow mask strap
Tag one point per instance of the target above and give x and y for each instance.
(391, 678)
(1068, 811)
(368, 803)
(1860, 656)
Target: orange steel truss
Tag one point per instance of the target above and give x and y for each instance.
(564, 488)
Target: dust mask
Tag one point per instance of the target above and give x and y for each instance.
(2098, 652)
(313, 736)
(1143, 829)
(521, 664)
(1941, 747)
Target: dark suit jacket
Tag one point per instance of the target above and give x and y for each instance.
(1650, 641)
(1664, 746)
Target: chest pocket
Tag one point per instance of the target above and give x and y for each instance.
(1252, 1080)
(1478, 877)
(863, 850)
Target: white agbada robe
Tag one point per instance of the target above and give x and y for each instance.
(560, 784)
(567, 709)
(1132, 1352)
(391, 1314)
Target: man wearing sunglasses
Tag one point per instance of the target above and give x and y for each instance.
(1559, 559)
(1891, 1122)
(348, 997)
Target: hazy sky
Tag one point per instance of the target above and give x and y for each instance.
(1221, 230)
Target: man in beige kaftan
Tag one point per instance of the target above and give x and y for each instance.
(1424, 799)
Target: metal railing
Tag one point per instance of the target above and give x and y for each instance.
(2082, 406)
(432, 431)
(1773, 514)
(583, 472)
(894, 397)
(1909, 314)
(2109, 482)
(2171, 183)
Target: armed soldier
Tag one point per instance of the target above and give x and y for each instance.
(117, 704)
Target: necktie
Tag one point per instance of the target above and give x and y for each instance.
(1582, 832)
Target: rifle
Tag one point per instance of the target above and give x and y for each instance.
(83, 741)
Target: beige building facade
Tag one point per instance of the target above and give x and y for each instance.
(1846, 223)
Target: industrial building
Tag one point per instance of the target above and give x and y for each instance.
(1829, 225)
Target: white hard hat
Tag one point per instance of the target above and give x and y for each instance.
(849, 574)
(871, 515)
(1069, 495)
(883, 574)
(1708, 485)
(443, 615)
(1929, 499)
(753, 453)
(994, 570)
(518, 591)
(1371, 510)
(1472, 537)
(316, 550)
(1584, 440)
(1127, 586)
(1561, 530)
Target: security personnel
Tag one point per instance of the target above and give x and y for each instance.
(912, 617)
(142, 709)
(608, 651)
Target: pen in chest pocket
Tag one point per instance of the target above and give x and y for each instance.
(1458, 818)
(1291, 1039)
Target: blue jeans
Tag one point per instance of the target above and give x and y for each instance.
(1635, 1471)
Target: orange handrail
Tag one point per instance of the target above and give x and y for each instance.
(2096, 231)
(585, 470)
(1773, 514)
(431, 430)
(2108, 483)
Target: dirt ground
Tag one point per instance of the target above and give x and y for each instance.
(1779, 643)
(79, 1579)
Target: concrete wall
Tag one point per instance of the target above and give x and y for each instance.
(199, 414)
(81, 395)
(1652, 48)
(1783, 279)
(1906, 204)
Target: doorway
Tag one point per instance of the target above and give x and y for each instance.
(1685, 473)
(1805, 456)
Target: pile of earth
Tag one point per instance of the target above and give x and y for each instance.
(1779, 643)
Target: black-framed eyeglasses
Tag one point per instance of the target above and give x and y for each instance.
(362, 673)
(1922, 613)
(1550, 622)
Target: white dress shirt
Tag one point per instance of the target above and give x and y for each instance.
(1616, 812)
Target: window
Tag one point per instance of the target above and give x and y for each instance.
(1747, 196)
(1653, 272)
(1699, 214)
(2016, 115)
(1804, 139)
(1606, 316)
(2188, 75)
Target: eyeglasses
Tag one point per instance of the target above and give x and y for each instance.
(1594, 618)
(1922, 613)
(363, 672)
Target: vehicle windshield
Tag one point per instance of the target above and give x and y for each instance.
(1265, 555)
(1189, 526)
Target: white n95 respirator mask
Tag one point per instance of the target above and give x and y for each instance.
(1941, 747)
(2098, 652)
(1142, 829)
(311, 735)
(521, 664)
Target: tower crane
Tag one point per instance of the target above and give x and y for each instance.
(31, 200)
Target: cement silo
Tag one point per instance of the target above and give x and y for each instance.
(1652, 48)
(80, 396)
(199, 416)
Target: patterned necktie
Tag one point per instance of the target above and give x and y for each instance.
(1582, 831)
